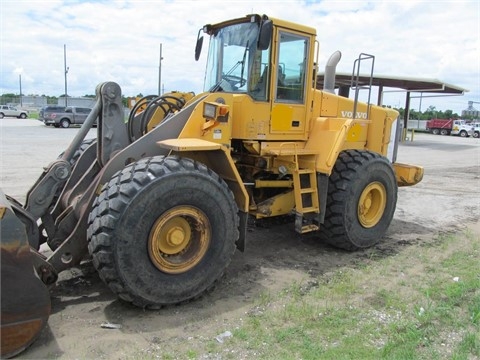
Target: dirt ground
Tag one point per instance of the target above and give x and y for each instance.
(84, 310)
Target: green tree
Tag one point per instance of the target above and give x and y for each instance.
(9, 98)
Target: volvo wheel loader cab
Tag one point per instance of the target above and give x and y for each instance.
(161, 202)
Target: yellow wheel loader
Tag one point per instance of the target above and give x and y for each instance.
(161, 203)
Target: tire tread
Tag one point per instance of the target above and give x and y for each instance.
(115, 196)
(348, 167)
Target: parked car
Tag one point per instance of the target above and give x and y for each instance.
(46, 111)
(72, 115)
(10, 111)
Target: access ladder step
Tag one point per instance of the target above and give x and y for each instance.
(307, 190)
(309, 209)
(301, 227)
(305, 171)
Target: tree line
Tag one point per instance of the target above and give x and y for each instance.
(431, 113)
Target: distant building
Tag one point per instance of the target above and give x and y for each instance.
(470, 111)
(36, 102)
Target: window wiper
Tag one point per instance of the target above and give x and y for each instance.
(243, 61)
(217, 85)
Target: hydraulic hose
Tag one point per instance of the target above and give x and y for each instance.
(138, 123)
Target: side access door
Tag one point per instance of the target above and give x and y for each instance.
(289, 110)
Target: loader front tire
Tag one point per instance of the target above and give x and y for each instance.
(162, 231)
(361, 201)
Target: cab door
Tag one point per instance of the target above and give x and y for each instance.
(289, 112)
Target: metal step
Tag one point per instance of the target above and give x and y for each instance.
(306, 198)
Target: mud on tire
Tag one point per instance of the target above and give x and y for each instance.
(361, 201)
(162, 231)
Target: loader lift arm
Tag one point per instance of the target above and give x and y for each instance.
(25, 305)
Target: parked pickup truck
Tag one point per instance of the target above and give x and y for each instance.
(46, 111)
(73, 115)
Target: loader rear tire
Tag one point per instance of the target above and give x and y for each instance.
(361, 201)
(162, 231)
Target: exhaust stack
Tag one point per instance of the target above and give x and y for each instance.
(330, 70)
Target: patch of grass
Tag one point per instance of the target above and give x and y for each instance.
(33, 115)
(468, 347)
(191, 354)
(424, 303)
(474, 310)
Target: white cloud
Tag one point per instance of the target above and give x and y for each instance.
(119, 41)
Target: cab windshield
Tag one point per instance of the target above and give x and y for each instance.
(234, 64)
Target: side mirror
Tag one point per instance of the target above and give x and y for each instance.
(265, 35)
(198, 46)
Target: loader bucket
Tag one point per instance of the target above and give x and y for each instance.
(25, 300)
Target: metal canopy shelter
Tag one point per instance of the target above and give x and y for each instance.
(433, 87)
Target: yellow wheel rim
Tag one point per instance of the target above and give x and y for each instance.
(371, 205)
(179, 239)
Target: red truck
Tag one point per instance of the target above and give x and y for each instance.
(449, 126)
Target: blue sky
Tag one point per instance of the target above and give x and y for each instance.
(120, 40)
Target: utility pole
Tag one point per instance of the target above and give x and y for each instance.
(66, 70)
(160, 72)
(20, 79)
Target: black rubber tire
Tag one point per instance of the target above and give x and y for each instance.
(463, 134)
(76, 155)
(443, 132)
(23, 116)
(83, 146)
(353, 172)
(435, 131)
(127, 209)
(64, 123)
(476, 134)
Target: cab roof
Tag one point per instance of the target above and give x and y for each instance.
(212, 28)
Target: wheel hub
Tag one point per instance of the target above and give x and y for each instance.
(176, 237)
(179, 239)
(173, 236)
(371, 205)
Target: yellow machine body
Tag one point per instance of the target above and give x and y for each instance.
(304, 130)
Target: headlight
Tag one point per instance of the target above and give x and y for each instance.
(209, 111)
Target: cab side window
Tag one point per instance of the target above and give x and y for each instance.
(292, 56)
